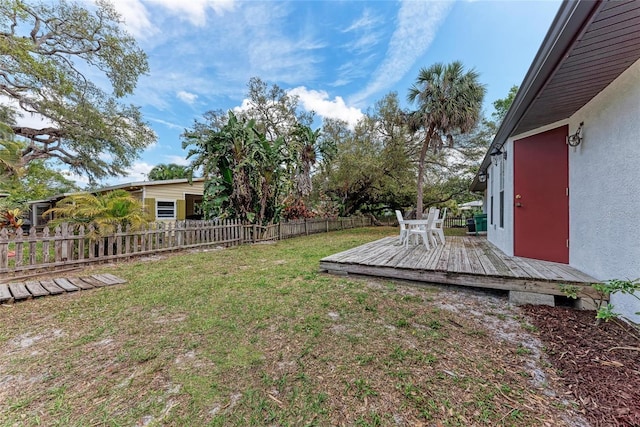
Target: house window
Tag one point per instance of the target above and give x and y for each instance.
(502, 168)
(491, 221)
(166, 209)
(41, 220)
(491, 209)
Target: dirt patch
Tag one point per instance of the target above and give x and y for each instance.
(599, 365)
(508, 324)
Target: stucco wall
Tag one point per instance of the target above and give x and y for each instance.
(604, 179)
(604, 188)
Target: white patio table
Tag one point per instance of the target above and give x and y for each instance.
(419, 224)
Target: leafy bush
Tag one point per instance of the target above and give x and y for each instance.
(604, 310)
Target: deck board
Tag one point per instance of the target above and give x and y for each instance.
(19, 291)
(462, 260)
(5, 295)
(16, 291)
(51, 286)
(65, 284)
(36, 289)
(474, 262)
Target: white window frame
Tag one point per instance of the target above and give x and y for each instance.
(501, 193)
(175, 208)
(38, 220)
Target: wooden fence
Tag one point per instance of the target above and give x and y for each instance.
(449, 221)
(455, 221)
(68, 246)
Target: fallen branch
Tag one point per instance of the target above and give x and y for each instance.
(625, 348)
(279, 402)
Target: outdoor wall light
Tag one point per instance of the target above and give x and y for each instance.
(482, 176)
(575, 139)
(496, 154)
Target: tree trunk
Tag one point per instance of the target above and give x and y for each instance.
(263, 200)
(423, 156)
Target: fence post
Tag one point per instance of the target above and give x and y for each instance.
(4, 248)
(179, 233)
(306, 230)
(57, 244)
(19, 246)
(64, 228)
(81, 242)
(45, 245)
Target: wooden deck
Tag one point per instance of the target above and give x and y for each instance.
(16, 291)
(462, 261)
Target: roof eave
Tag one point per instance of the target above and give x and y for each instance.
(568, 24)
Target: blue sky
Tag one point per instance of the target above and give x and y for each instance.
(339, 57)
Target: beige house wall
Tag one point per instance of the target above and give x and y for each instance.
(173, 191)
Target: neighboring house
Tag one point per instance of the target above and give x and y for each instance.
(561, 179)
(469, 206)
(169, 200)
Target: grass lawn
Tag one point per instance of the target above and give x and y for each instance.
(254, 335)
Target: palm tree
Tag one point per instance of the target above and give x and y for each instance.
(104, 211)
(163, 172)
(310, 148)
(306, 139)
(449, 100)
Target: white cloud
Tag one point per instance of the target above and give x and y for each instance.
(30, 120)
(318, 101)
(366, 21)
(187, 97)
(365, 43)
(80, 180)
(137, 172)
(136, 18)
(195, 11)
(178, 160)
(418, 23)
(138, 21)
(274, 53)
(167, 124)
(245, 106)
(368, 29)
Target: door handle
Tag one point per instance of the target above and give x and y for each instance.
(518, 196)
(518, 205)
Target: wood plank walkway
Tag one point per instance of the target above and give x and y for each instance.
(17, 291)
(463, 261)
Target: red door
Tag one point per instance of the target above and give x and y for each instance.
(541, 183)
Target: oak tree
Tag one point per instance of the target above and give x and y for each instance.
(71, 67)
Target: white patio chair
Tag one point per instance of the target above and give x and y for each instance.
(403, 227)
(425, 214)
(424, 231)
(437, 229)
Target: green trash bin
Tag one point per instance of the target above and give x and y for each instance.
(481, 222)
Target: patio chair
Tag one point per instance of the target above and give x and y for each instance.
(424, 232)
(438, 226)
(403, 227)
